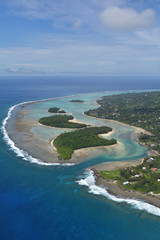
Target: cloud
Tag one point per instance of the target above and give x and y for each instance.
(150, 59)
(101, 63)
(21, 71)
(150, 37)
(77, 24)
(127, 19)
(68, 14)
(80, 57)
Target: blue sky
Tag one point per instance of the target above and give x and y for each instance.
(81, 37)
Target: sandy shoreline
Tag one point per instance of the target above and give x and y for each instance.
(115, 189)
(93, 151)
(74, 120)
(105, 135)
(139, 130)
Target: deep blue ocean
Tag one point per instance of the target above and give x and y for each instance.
(42, 202)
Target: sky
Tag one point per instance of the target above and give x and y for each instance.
(80, 37)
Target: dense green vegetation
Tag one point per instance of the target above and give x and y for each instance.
(138, 109)
(56, 110)
(144, 177)
(141, 110)
(66, 143)
(77, 101)
(53, 110)
(60, 121)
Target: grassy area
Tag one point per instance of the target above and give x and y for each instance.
(112, 175)
(66, 143)
(144, 177)
(60, 121)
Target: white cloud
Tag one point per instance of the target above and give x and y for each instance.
(150, 37)
(24, 64)
(101, 63)
(127, 19)
(62, 13)
(150, 59)
(21, 71)
(77, 57)
(77, 24)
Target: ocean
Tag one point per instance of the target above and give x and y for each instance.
(56, 202)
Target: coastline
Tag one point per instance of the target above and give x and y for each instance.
(47, 151)
(105, 135)
(151, 152)
(43, 150)
(74, 120)
(139, 130)
(115, 189)
(112, 186)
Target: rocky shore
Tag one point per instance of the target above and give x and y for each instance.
(114, 188)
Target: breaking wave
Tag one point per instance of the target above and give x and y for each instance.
(89, 181)
(19, 152)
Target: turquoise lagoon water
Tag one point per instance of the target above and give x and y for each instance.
(47, 202)
(129, 149)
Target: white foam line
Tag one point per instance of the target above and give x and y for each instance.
(19, 152)
(89, 181)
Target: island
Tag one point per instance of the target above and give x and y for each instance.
(140, 110)
(55, 110)
(60, 121)
(66, 143)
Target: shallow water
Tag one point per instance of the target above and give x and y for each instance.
(128, 148)
(39, 202)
